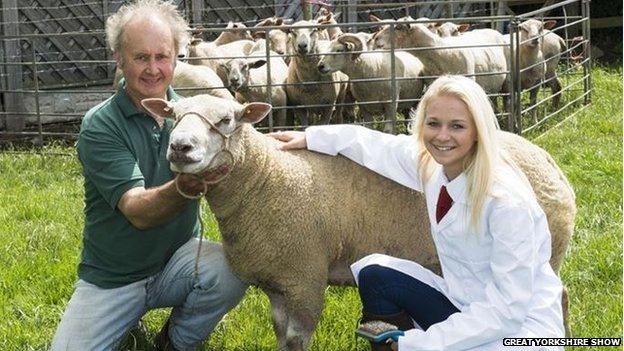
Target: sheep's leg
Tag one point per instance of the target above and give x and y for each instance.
(565, 304)
(303, 314)
(290, 118)
(342, 93)
(281, 118)
(304, 118)
(366, 116)
(555, 89)
(390, 117)
(280, 318)
(326, 114)
(349, 111)
(533, 100)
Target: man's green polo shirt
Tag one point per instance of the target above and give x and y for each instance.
(121, 148)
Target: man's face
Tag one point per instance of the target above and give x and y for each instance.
(147, 59)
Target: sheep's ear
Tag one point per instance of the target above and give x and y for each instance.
(256, 63)
(463, 27)
(278, 22)
(230, 25)
(254, 112)
(337, 15)
(158, 108)
(550, 24)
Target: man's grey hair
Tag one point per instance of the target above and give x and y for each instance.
(165, 10)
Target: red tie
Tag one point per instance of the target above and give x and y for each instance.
(444, 204)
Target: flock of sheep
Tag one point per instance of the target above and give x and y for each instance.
(318, 73)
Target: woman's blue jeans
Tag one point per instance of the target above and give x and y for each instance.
(385, 291)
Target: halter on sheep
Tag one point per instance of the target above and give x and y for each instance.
(163, 109)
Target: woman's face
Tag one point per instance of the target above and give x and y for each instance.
(449, 133)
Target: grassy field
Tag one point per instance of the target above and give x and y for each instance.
(41, 221)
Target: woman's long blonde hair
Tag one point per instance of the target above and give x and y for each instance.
(479, 166)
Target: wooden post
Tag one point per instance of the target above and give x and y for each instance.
(13, 101)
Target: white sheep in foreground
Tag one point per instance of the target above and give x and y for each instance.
(248, 78)
(345, 54)
(292, 222)
(327, 89)
(444, 59)
(190, 80)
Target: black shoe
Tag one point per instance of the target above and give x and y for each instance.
(162, 341)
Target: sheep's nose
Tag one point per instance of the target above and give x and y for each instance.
(181, 146)
(321, 67)
(302, 46)
(234, 80)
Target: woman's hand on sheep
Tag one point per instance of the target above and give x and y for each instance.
(292, 140)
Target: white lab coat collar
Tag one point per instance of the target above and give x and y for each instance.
(457, 188)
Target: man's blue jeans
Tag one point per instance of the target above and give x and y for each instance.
(385, 291)
(98, 319)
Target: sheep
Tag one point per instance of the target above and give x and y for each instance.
(532, 65)
(302, 69)
(213, 56)
(552, 46)
(235, 31)
(346, 55)
(292, 222)
(278, 39)
(191, 80)
(444, 60)
(325, 17)
(248, 78)
(450, 29)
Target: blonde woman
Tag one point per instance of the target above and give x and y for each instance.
(491, 235)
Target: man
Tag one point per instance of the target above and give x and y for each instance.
(140, 236)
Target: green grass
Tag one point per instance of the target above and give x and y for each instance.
(41, 221)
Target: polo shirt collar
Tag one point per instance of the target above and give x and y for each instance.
(127, 107)
(457, 188)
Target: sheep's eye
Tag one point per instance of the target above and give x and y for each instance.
(225, 121)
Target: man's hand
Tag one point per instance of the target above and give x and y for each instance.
(190, 184)
(292, 140)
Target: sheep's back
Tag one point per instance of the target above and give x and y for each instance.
(552, 189)
(325, 211)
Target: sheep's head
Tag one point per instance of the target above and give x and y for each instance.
(276, 38)
(531, 33)
(205, 127)
(238, 71)
(402, 33)
(236, 31)
(303, 40)
(450, 29)
(346, 47)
